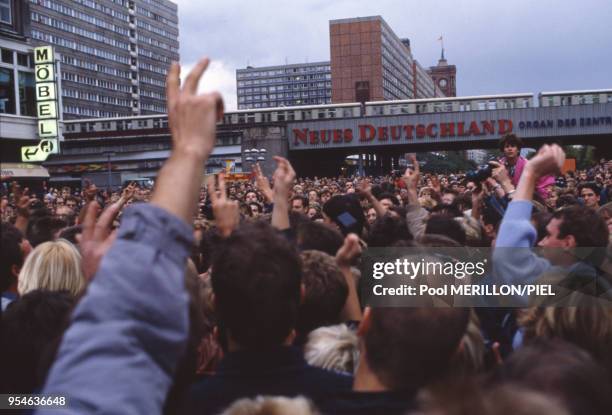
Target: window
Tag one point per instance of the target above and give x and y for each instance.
(22, 59)
(7, 91)
(6, 55)
(27, 95)
(5, 11)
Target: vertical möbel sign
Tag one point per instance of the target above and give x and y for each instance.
(46, 107)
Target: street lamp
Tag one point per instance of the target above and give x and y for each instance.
(254, 155)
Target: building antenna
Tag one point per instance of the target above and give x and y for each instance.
(286, 61)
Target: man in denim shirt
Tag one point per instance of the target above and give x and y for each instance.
(128, 332)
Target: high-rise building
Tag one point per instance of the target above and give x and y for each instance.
(114, 53)
(285, 85)
(369, 62)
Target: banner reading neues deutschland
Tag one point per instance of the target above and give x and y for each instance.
(485, 277)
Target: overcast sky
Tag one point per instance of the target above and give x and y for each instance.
(498, 46)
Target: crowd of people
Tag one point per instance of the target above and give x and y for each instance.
(243, 297)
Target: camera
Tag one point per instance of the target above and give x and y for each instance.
(481, 174)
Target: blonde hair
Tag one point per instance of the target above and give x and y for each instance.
(266, 405)
(587, 324)
(54, 266)
(333, 348)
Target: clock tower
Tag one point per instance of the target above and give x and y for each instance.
(444, 77)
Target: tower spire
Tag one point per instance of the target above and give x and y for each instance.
(442, 60)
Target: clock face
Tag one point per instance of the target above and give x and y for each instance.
(442, 83)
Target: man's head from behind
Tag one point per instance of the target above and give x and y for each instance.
(406, 348)
(13, 253)
(29, 327)
(256, 279)
(325, 291)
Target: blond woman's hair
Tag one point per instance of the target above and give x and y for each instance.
(588, 325)
(271, 405)
(333, 348)
(53, 266)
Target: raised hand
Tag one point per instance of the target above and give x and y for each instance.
(346, 255)
(192, 117)
(549, 160)
(21, 200)
(97, 236)
(226, 211)
(262, 183)
(365, 188)
(411, 176)
(128, 192)
(349, 251)
(435, 184)
(284, 175)
(499, 172)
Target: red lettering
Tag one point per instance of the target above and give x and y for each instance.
(474, 130)
(348, 135)
(337, 136)
(420, 131)
(371, 132)
(447, 129)
(396, 132)
(314, 137)
(382, 134)
(409, 131)
(325, 136)
(488, 127)
(505, 126)
(461, 129)
(432, 130)
(300, 135)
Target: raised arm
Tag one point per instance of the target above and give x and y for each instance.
(283, 179)
(516, 231)
(365, 189)
(345, 257)
(192, 119)
(127, 333)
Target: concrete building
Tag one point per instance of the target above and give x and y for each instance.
(284, 85)
(369, 62)
(114, 53)
(17, 94)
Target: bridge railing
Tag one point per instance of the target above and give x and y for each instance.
(353, 110)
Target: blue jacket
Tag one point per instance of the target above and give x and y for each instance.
(119, 354)
(519, 266)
